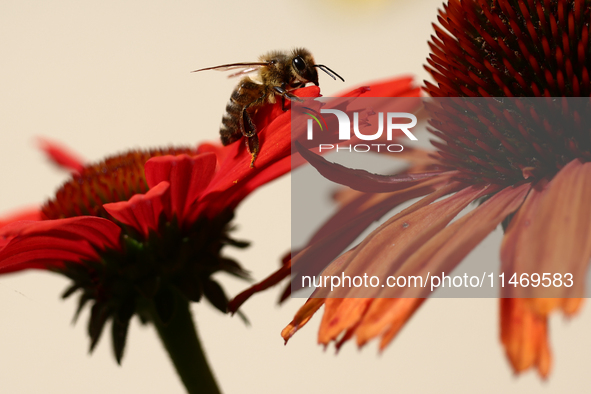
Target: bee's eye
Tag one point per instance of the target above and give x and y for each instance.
(299, 63)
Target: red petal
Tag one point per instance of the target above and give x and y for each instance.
(232, 198)
(393, 87)
(234, 173)
(188, 178)
(143, 211)
(35, 244)
(97, 231)
(551, 233)
(31, 214)
(216, 148)
(394, 312)
(61, 156)
(235, 179)
(21, 253)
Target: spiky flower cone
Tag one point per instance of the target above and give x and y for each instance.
(506, 48)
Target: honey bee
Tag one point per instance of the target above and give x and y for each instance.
(278, 74)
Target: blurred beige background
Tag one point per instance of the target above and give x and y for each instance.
(106, 76)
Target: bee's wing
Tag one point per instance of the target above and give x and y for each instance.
(245, 71)
(246, 68)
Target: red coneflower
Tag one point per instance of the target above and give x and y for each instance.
(538, 184)
(143, 232)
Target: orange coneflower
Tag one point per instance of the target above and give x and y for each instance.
(537, 184)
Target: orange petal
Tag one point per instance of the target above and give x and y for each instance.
(447, 248)
(440, 253)
(551, 233)
(524, 336)
(421, 220)
(341, 314)
(395, 311)
(387, 247)
(570, 306)
(313, 304)
(350, 221)
(302, 317)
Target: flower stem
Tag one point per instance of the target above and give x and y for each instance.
(181, 341)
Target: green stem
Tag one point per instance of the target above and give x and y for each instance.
(180, 339)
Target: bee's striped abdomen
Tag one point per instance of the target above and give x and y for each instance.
(229, 129)
(246, 94)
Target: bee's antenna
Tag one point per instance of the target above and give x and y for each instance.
(329, 71)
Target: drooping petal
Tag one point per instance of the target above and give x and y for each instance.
(61, 156)
(360, 179)
(385, 250)
(331, 330)
(402, 310)
(349, 222)
(341, 315)
(305, 313)
(440, 254)
(336, 234)
(187, 176)
(524, 335)
(142, 211)
(388, 247)
(270, 281)
(446, 249)
(436, 252)
(333, 325)
(551, 233)
(22, 253)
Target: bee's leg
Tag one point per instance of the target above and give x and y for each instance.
(250, 132)
(286, 95)
(246, 125)
(282, 89)
(252, 145)
(246, 94)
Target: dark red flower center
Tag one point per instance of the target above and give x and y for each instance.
(114, 179)
(496, 48)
